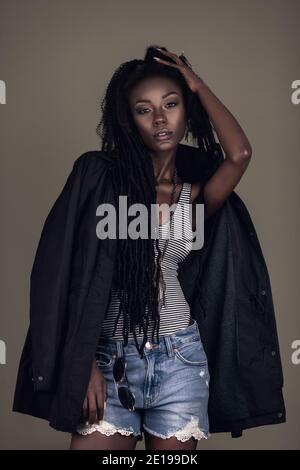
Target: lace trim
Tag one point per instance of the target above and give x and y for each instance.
(105, 428)
(191, 429)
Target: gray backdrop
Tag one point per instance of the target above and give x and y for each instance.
(56, 57)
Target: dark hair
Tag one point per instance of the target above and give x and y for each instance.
(133, 176)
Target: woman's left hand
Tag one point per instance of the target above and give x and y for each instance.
(193, 80)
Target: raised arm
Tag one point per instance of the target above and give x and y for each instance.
(235, 144)
(230, 134)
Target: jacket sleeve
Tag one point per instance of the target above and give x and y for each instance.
(50, 277)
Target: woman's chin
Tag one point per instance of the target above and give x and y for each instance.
(161, 146)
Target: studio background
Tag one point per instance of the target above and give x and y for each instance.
(56, 58)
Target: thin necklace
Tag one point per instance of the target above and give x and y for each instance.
(162, 283)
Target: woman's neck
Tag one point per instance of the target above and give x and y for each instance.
(164, 167)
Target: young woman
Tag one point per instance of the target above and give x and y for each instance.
(158, 384)
(145, 333)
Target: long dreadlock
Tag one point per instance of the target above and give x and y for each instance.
(134, 279)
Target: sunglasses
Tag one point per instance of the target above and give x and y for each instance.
(125, 395)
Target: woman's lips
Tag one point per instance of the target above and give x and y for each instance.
(164, 137)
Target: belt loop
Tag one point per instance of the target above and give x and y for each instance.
(195, 324)
(169, 346)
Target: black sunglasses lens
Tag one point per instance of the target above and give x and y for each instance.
(118, 370)
(126, 397)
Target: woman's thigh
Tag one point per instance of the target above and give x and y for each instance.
(98, 441)
(157, 443)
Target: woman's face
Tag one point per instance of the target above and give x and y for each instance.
(157, 104)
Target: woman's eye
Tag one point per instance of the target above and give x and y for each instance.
(173, 102)
(140, 111)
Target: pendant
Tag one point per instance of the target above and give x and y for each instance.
(162, 289)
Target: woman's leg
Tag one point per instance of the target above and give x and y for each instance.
(98, 441)
(157, 443)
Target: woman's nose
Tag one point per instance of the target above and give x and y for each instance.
(159, 119)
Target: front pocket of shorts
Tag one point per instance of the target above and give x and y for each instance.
(191, 353)
(104, 359)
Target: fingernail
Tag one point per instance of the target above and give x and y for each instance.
(157, 58)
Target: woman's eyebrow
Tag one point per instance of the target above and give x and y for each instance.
(164, 96)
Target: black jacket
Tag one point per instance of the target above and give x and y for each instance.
(226, 284)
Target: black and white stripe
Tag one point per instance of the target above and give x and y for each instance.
(176, 314)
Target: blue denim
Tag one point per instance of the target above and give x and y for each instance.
(170, 384)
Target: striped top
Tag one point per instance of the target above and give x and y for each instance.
(175, 314)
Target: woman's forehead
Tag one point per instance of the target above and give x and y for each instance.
(156, 87)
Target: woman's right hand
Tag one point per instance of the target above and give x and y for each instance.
(93, 405)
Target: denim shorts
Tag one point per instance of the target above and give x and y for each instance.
(170, 384)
